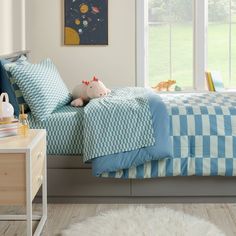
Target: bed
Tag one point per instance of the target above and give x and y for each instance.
(202, 131)
(203, 166)
(197, 122)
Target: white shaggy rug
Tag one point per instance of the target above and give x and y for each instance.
(141, 221)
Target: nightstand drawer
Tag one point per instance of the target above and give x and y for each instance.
(38, 152)
(38, 161)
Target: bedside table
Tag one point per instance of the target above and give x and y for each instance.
(23, 170)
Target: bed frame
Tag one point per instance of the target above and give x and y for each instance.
(69, 180)
(13, 56)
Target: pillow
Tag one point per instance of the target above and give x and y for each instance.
(5, 87)
(18, 94)
(42, 87)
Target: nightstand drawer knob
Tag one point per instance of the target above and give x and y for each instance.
(40, 178)
(40, 155)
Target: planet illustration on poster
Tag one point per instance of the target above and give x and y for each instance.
(86, 22)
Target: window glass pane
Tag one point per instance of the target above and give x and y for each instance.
(218, 49)
(159, 46)
(218, 10)
(182, 54)
(233, 10)
(219, 38)
(159, 62)
(233, 43)
(233, 62)
(171, 41)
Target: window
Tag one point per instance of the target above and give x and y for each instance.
(185, 38)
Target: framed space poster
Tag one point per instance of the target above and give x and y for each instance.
(86, 22)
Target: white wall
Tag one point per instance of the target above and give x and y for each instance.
(12, 26)
(114, 64)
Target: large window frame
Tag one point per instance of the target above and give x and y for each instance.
(200, 33)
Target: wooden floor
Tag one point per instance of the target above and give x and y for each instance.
(60, 216)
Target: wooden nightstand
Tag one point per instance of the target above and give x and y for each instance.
(23, 170)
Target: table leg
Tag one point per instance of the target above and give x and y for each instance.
(44, 201)
(44, 188)
(29, 218)
(29, 194)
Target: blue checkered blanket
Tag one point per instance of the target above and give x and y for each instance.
(119, 122)
(203, 131)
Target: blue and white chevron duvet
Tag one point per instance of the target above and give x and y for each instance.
(203, 133)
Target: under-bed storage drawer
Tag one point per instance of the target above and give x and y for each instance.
(81, 183)
(184, 187)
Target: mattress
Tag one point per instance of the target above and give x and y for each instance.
(64, 130)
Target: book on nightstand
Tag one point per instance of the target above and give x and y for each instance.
(9, 129)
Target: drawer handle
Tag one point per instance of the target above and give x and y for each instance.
(40, 155)
(40, 179)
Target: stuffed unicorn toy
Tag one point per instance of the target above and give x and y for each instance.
(88, 90)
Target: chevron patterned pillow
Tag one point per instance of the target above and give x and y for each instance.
(42, 87)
